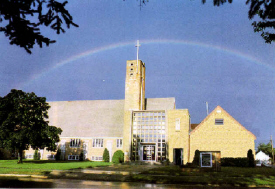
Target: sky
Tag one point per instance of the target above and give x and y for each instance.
(194, 52)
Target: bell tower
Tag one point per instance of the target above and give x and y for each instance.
(134, 99)
(135, 85)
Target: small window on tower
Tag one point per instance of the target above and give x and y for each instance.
(131, 74)
(132, 64)
(131, 69)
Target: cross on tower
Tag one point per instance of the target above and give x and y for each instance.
(137, 45)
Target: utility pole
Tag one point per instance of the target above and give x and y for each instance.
(272, 151)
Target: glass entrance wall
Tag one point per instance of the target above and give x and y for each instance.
(149, 128)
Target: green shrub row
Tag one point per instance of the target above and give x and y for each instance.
(235, 162)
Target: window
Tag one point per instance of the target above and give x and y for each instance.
(98, 143)
(119, 143)
(97, 158)
(218, 121)
(177, 124)
(206, 159)
(132, 64)
(29, 156)
(75, 143)
(131, 69)
(73, 157)
(51, 157)
(149, 126)
(131, 74)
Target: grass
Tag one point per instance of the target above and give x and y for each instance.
(43, 166)
(235, 176)
(232, 176)
(225, 171)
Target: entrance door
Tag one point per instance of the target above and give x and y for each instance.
(109, 148)
(178, 156)
(149, 153)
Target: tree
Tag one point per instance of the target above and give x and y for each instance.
(265, 10)
(24, 19)
(23, 124)
(265, 148)
(106, 156)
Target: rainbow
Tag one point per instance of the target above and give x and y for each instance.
(144, 42)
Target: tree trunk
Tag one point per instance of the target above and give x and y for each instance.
(20, 156)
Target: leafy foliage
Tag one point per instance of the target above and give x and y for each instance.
(24, 19)
(118, 157)
(218, 2)
(265, 148)
(106, 156)
(22, 122)
(265, 9)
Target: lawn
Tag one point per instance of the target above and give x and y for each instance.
(232, 176)
(43, 166)
(235, 176)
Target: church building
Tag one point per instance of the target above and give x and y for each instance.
(145, 129)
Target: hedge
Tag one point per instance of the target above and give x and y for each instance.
(235, 162)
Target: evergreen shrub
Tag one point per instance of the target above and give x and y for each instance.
(196, 160)
(250, 157)
(106, 156)
(118, 157)
(36, 155)
(58, 155)
(81, 157)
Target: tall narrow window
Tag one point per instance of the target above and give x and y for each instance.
(178, 124)
(119, 143)
(98, 143)
(75, 143)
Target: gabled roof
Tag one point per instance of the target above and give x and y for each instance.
(219, 108)
(261, 156)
